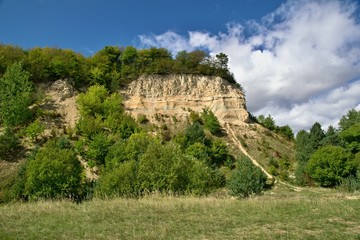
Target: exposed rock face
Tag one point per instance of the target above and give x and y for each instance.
(175, 95)
(63, 96)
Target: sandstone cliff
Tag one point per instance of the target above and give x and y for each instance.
(175, 95)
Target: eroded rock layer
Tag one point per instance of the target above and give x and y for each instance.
(175, 95)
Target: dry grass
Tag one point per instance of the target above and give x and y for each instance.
(279, 214)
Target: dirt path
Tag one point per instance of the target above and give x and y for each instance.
(231, 133)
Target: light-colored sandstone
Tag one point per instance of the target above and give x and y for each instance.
(175, 95)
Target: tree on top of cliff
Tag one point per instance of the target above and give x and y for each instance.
(112, 66)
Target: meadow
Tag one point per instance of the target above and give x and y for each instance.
(311, 213)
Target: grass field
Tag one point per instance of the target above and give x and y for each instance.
(278, 214)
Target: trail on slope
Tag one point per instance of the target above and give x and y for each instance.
(231, 132)
(238, 144)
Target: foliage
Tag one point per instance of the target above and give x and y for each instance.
(246, 179)
(306, 144)
(351, 118)
(99, 110)
(331, 137)
(119, 181)
(267, 122)
(285, 131)
(91, 102)
(9, 55)
(351, 138)
(54, 172)
(329, 165)
(112, 66)
(194, 133)
(211, 122)
(142, 164)
(9, 143)
(351, 183)
(218, 153)
(98, 148)
(34, 129)
(15, 96)
(105, 67)
(50, 64)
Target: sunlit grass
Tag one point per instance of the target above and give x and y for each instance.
(279, 214)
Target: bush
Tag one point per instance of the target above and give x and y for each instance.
(34, 129)
(211, 122)
(54, 172)
(155, 168)
(164, 169)
(9, 143)
(119, 181)
(350, 184)
(246, 179)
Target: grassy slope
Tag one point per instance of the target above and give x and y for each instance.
(279, 214)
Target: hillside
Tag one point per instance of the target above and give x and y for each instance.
(171, 99)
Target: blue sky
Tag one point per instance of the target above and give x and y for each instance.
(89, 25)
(298, 60)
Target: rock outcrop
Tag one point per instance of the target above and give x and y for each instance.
(175, 95)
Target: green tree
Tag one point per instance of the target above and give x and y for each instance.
(106, 67)
(267, 122)
(218, 153)
(98, 148)
(246, 179)
(9, 55)
(316, 136)
(351, 137)
(194, 133)
(351, 118)
(15, 96)
(211, 122)
(91, 102)
(286, 131)
(329, 165)
(331, 137)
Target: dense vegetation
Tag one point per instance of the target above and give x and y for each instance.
(130, 160)
(112, 66)
(330, 158)
(131, 157)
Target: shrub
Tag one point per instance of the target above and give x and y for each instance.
(34, 129)
(9, 143)
(246, 179)
(194, 133)
(350, 184)
(54, 172)
(164, 169)
(211, 122)
(141, 118)
(119, 181)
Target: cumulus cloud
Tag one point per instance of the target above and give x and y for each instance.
(300, 64)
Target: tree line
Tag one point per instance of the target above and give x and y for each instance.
(330, 158)
(112, 66)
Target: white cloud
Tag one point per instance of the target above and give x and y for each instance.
(299, 64)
